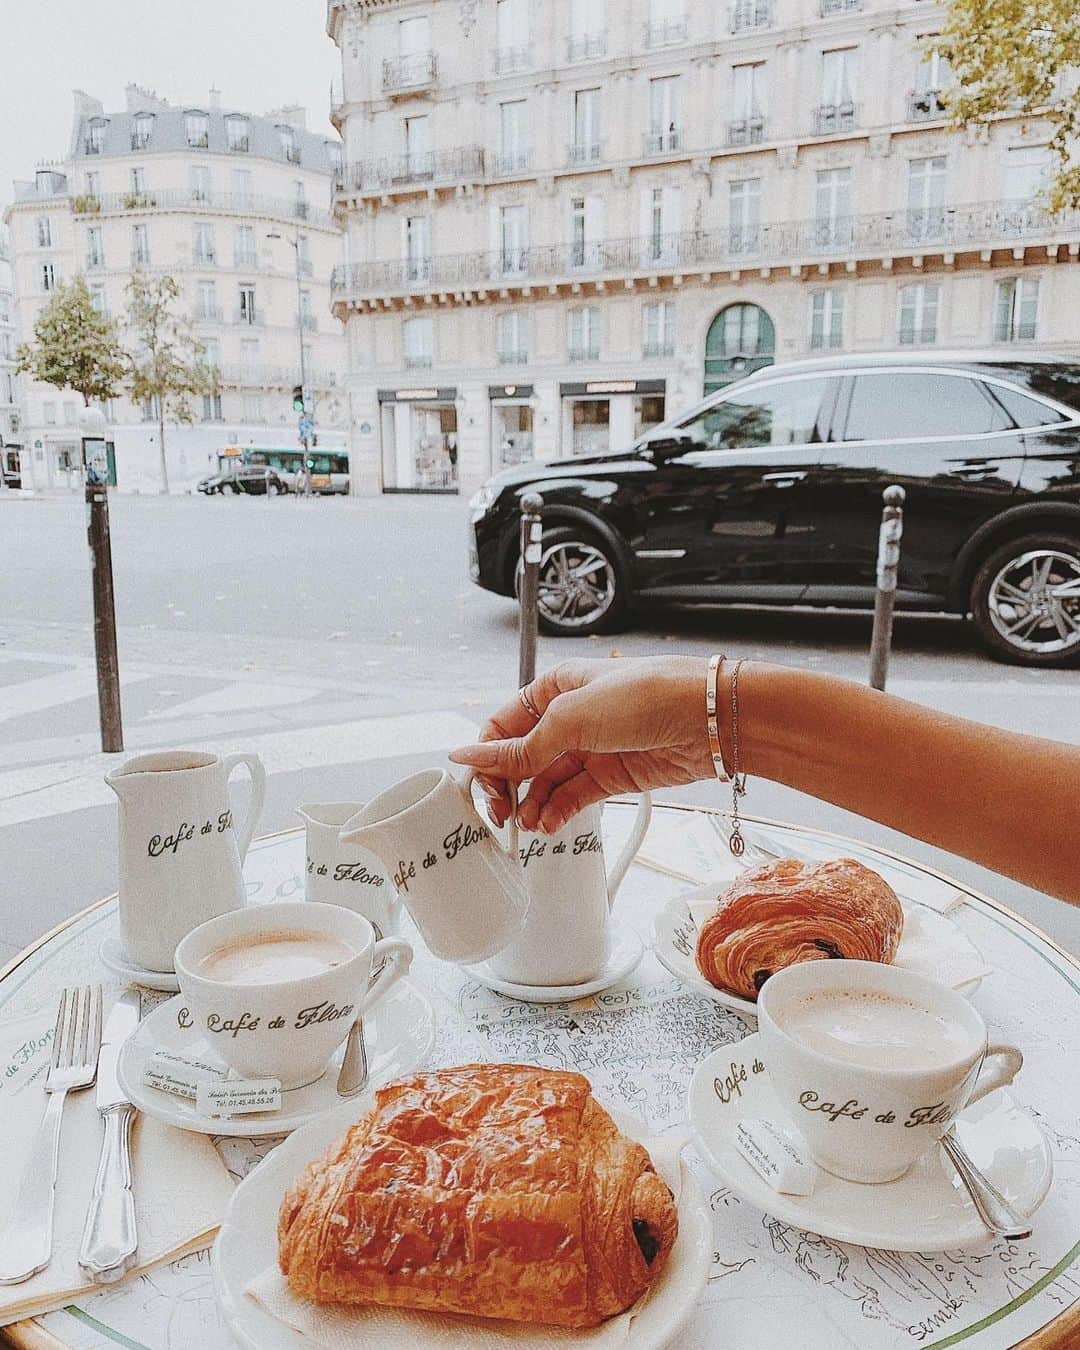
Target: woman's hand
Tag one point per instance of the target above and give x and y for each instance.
(604, 727)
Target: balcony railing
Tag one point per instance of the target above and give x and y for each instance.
(308, 322)
(832, 117)
(662, 142)
(205, 258)
(91, 146)
(246, 262)
(239, 145)
(509, 59)
(418, 360)
(410, 72)
(584, 152)
(665, 33)
(588, 352)
(511, 162)
(207, 314)
(746, 131)
(140, 140)
(94, 261)
(235, 203)
(658, 347)
(586, 46)
(827, 7)
(977, 225)
(513, 356)
(1014, 332)
(292, 154)
(466, 162)
(272, 377)
(926, 106)
(746, 15)
(140, 258)
(250, 318)
(917, 337)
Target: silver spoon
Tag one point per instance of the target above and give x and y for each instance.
(354, 1071)
(994, 1210)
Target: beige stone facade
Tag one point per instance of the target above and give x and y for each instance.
(230, 204)
(566, 218)
(10, 427)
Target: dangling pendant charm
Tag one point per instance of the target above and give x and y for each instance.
(736, 843)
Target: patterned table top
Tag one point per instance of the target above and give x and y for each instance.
(638, 1042)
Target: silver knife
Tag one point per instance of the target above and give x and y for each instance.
(109, 1239)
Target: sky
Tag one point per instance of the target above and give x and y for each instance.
(261, 54)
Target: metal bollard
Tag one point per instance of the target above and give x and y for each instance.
(888, 562)
(92, 426)
(532, 531)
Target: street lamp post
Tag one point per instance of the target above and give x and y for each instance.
(309, 412)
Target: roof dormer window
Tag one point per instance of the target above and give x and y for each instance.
(238, 133)
(95, 136)
(141, 130)
(197, 127)
(287, 141)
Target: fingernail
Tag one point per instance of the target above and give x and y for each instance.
(477, 756)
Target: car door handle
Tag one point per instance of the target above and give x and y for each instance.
(784, 477)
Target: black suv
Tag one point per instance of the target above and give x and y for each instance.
(769, 490)
(253, 479)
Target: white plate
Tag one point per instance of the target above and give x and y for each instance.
(247, 1245)
(399, 1033)
(926, 1210)
(112, 955)
(928, 941)
(625, 951)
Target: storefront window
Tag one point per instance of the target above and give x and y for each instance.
(648, 412)
(420, 446)
(590, 422)
(511, 432)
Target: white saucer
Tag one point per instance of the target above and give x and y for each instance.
(399, 1033)
(929, 941)
(112, 955)
(625, 951)
(926, 1210)
(247, 1245)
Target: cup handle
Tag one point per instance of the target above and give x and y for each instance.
(258, 792)
(509, 850)
(1009, 1061)
(622, 863)
(398, 956)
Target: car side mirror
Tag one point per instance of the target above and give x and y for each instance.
(669, 446)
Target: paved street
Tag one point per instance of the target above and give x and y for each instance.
(343, 642)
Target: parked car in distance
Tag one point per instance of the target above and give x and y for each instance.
(255, 479)
(769, 491)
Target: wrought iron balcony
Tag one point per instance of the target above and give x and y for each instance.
(246, 262)
(140, 140)
(207, 314)
(586, 46)
(656, 347)
(917, 337)
(507, 60)
(239, 145)
(271, 377)
(586, 352)
(830, 117)
(512, 162)
(663, 142)
(746, 15)
(308, 322)
(926, 106)
(584, 152)
(665, 33)
(92, 145)
(418, 71)
(167, 199)
(93, 261)
(140, 258)
(512, 356)
(292, 154)
(746, 131)
(1014, 332)
(205, 258)
(463, 164)
(786, 243)
(418, 360)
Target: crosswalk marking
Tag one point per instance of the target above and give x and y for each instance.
(49, 691)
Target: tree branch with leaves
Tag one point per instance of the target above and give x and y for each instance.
(74, 346)
(167, 362)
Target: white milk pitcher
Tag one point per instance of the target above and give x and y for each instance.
(180, 853)
(346, 874)
(565, 938)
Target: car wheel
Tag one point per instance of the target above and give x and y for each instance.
(582, 589)
(272, 489)
(231, 489)
(1026, 600)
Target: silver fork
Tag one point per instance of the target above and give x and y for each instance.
(26, 1240)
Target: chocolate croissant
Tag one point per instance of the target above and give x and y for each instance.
(790, 911)
(498, 1190)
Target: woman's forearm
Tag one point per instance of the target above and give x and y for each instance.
(1008, 801)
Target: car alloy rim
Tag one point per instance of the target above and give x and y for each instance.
(1034, 601)
(577, 584)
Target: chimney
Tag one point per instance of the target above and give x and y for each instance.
(215, 97)
(292, 114)
(86, 105)
(138, 99)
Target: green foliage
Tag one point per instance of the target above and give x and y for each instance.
(1019, 55)
(167, 361)
(74, 346)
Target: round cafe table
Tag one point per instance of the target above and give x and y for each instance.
(638, 1042)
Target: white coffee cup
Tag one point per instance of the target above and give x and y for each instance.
(565, 938)
(346, 874)
(465, 891)
(902, 1056)
(285, 1028)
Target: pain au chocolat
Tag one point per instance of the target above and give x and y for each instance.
(497, 1190)
(790, 911)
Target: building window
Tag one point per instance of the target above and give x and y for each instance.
(140, 245)
(141, 130)
(744, 216)
(211, 408)
(48, 412)
(44, 232)
(238, 134)
(836, 106)
(749, 14)
(203, 244)
(666, 23)
(659, 335)
(660, 225)
(932, 78)
(247, 304)
(747, 125)
(419, 161)
(211, 353)
(300, 207)
(1025, 173)
(241, 189)
(926, 198)
(585, 230)
(917, 321)
(206, 300)
(663, 134)
(826, 320)
(584, 343)
(588, 31)
(514, 154)
(244, 252)
(199, 179)
(197, 129)
(92, 183)
(95, 137)
(287, 141)
(1016, 309)
(513, 240)
(419, 342)
(333, 155)
(48, 277)
(511, 342)
(95, 248)
(303, 254)
(512, 43)
(832, 208)
(253, 408)
(417, 248)
(71, 413)
(249, 359)
(586, 146)
(137, 195)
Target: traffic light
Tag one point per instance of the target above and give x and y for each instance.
(298, 399)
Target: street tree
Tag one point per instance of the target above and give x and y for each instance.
(74, 346)
(167, 362)
(1010, 56)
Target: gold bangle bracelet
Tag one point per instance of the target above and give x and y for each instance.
(712, 699)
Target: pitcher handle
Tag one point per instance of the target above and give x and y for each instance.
(1008, 1063)
(622, 863)
(510, 850)
(258, 792)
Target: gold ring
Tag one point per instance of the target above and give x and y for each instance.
(527, 703)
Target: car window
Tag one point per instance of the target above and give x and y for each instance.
(1024, 411)
(788, 413)
(907, 405)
